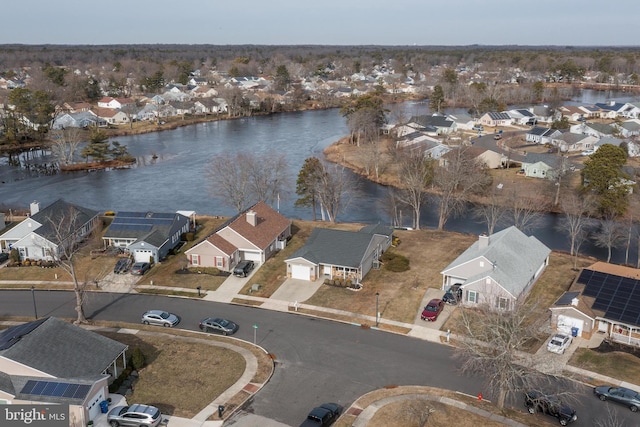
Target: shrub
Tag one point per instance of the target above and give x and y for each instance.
(14, 255)
(395, 262)
(137, 359)
(188, 237)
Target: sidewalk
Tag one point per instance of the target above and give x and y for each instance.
(290, 297)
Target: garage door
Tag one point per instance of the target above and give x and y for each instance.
(300, 272)
(252, 256)
(143, 256)
(565, 323)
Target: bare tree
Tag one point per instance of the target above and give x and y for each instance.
(64, 227)
(459, 177)
(493, 211)
(576, 219)
(419, 411)
(610, 235)
(334, 191)
(610, 420)
(244, 179)
(415, 175)
(491, 343)
(65, 144)
(526, 209)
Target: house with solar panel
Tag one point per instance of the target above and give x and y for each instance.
(499, 270)
(495, 119)
(147, 235)
(40, 235)
(605, 298)
(52, 361)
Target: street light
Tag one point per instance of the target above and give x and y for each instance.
(33, 296)
(377, 312)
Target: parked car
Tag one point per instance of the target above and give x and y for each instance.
(122, 266)
(217, 324)
(140, 268)
(532, 122)
(587, 152)
(323, 415)
(453, 295)
(550, 405)
(160, 317)
(478, 128)
(626, 396)
(559, 343)
(134, 415)
(3, 257)
(432, 310)
(497, 136)
(243, 268)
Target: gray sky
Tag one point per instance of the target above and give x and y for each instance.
(325, 22)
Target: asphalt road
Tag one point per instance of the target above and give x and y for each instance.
(316, 360)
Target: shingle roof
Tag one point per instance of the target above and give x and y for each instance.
(434, 121)
(514, 255)
(335, 247)
(222, 244)
(57, 212)
(62, 349)
(270, 224)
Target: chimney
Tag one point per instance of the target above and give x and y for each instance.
(35, 207)
(252, 218)
(483, 241)
(574, 302)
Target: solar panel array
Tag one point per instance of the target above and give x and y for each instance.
(56, 389)
(10, 336)
(617, 296)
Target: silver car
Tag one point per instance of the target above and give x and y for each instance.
(160, 318)
(134, 415)
(216, 324)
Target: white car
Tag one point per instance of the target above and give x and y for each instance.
(559, 343)
(588, 152)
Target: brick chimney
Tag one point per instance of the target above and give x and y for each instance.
(483, 241)
(252, 218)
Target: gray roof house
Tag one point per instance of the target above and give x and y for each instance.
(146, 235)
(338, 253)
(52, 361)
(36, 237)
(541, 165)
(498, 270)
(542, 135)
(443, 125)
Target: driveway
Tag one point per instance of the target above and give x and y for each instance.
(124, 282)
(293, 290)
(428, 296)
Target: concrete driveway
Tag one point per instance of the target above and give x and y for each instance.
(428, 296)
(293, 290)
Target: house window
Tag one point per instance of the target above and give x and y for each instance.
(219, 262)
(195, 259)
(503, 303)
(472, 296)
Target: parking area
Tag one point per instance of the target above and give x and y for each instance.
(446, 312)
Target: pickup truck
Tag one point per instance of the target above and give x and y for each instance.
(323, 416)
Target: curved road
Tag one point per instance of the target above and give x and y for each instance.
(316, 360)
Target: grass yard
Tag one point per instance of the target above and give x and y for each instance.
(616, 364)
(183, 375)
(428, 251)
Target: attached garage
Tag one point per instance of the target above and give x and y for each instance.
(301, 272)
(252, 256)
(567, 323)
(142, 255)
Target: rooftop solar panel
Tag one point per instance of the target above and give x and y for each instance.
(82, 391)
(48, 389)
(37, 390)
(60, 389)
(566, 298)
(28, 387)
(617, 296)
(71, 390)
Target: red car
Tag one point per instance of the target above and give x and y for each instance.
(432, 310)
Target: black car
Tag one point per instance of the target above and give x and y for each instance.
(243, 268)
(550, 405)
(323, 415)
(453, 294)
(626, 396)
(122, 266)
(3, 257)
(140, 268)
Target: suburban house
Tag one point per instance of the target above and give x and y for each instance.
(542, 135)
(462, 121)
(442, 124)
(571, 142)
(52, 361)
(571, 112)
(611, 110)
(522, 117)
(495, 119)
(255, 234)
(37, 238)
(112, 116)
(628, 128)
(490, 158)
(605, 298)
(330, 253)
(498, 270)
(114, 103)
(541, 165)
(147, 235)
(594, 129)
